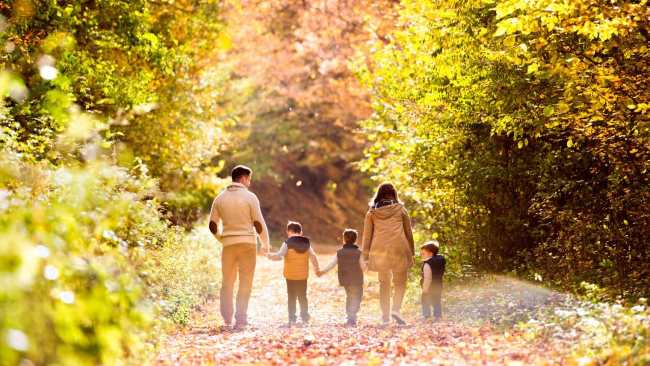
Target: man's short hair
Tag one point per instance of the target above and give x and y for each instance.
(240, 171)
(350, 236)
(431, 246)
(294, 227)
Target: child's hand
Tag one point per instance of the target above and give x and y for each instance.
(364, 265)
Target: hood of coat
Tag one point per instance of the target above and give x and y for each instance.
(386, 212)
(235, 186)
(298, 243)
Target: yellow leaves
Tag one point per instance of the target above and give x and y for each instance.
(224, 42)
(507, 26)
(532, 68)
(504, 9)
(641, 107)
(550, 22)
(522, 143)
(509, 41)
(569, 143)
(548, 111)
(563, 107)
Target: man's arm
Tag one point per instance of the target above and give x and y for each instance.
(260, 224)
(428, 278)
(280, 254)
(368, 230)
(314, 259)
(214, 220)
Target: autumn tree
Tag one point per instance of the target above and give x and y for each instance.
(299, 125)
(524, 129)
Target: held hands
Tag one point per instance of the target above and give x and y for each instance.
(265, 251)
(364, 265)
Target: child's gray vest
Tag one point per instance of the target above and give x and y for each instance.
(350, 273)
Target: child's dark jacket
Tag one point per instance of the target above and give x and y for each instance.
(437, 265)
(349, 267)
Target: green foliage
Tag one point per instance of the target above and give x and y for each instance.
(88, 267)
(141, 65)
(596, 333)
(91, 271)
(516, 129)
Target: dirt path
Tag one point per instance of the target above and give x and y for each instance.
(465, 337)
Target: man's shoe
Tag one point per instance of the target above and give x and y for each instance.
(398, 318)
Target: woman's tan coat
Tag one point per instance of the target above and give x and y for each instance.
(387, 239)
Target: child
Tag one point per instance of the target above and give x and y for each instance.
(433, 267)
(297, 253)
(350, 268)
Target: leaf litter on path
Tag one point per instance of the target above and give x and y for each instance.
(476, 330)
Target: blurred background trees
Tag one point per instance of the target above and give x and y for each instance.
(299, 125)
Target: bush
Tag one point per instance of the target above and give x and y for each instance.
(597, 333)
(87, 266)
(532, 149)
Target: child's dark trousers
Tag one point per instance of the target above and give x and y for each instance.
(297, 290)
(353, 295)
(432, 299)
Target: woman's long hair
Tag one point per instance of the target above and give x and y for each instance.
(386, 195)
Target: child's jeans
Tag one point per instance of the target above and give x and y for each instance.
(353, 295)
(432, 298)
(297, 290)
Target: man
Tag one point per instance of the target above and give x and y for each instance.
(236, 221)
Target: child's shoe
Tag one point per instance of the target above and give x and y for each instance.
(398, 318)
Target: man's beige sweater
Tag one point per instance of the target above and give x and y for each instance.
(236, 217)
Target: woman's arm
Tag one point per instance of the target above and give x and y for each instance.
(368, 229)
(406, 221)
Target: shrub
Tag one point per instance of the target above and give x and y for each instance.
(88, 267)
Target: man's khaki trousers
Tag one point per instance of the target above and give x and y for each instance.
(237, 259)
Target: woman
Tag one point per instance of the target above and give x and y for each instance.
(388, 248)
